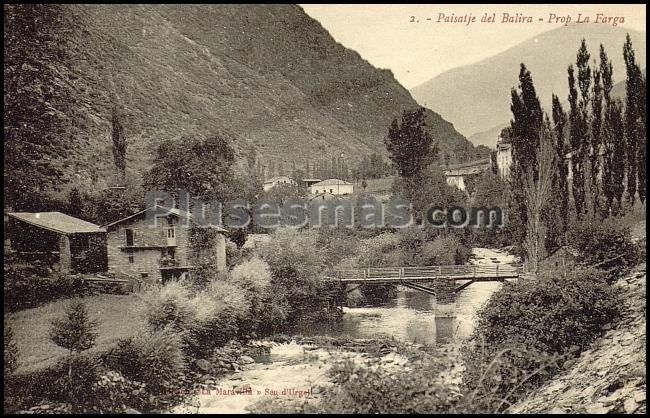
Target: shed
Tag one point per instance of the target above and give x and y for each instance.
(57, 240)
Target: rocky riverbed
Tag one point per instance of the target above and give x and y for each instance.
(609, 377)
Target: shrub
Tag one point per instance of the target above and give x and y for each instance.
(168, 306)
(538, 323)
(600, 241)
(214, 325)
(153, 358)
(73, 387)
(371, 388)
(112, 392)
(298, 266)
(28, 287)
(10, 352)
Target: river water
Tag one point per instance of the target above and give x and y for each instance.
(293, 369)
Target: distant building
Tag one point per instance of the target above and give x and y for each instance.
(504, 158)
(57, 241)
(332, 186)
(310, 182)
(459, 175)
(272, 182)
(157, 253)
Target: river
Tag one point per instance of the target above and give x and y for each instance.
(292, 369)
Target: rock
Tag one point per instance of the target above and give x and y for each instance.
(639, 396)
(557, 410)
(247, 360)
(597, 409)
(203, 365)
(630, 405)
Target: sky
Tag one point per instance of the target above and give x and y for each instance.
(400, 38)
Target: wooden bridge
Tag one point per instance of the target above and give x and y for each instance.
(411, 276)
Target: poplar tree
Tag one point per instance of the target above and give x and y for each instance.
(633, 85)
(561, 185)
(575, 142)
(596, 135)
(119, 144)
(524, 137)
(608, 138)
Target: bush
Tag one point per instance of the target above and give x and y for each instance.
(298, 266)
(214, 325)
(371, 388)
(153, 358)
(10, 352)
(539, 323)
(168, 306)
(112, 392)
(601, 241)
(74, 387)
(29, 287)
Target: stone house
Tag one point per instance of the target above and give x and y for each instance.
(153, 245)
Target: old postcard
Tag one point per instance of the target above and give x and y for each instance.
(276, 208)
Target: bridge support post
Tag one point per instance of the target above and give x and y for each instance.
(445, 297)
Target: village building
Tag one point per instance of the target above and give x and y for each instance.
(272, 182)
(332, 186)
(460, 175)
(155, 252)
(504, 158)
(310, 182)
(56, 241)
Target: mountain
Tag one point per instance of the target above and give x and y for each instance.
(269, 76)
(489, 137)
(618, 89)
(476, 97)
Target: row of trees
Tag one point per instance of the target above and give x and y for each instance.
(602, 139)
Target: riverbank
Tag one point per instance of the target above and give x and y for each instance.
(609, 377)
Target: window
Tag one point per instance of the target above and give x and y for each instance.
(171, 221)
(331, 190)
(171, 233)
(129, 237)
(131, 259)
(144, 276)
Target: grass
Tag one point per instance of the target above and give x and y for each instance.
(116, 315)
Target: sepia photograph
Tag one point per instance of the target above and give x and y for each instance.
(324, 208)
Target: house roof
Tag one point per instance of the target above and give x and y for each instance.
(332, 182)
(277, 178)
(57, 222)
(172, 211)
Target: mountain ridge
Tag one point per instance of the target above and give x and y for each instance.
(268, 75)
(475, 97)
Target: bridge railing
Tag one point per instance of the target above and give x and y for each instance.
(461, 271)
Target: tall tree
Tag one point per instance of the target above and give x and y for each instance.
(119, 144)
(618, 158)
(560, 181)
(410, 147)
(576, 144)
(609, 138)
(524, 137)
(642, 135)
(596, 136)
(538, 190)
(633, 96)
(36, 119)
(202, 167)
